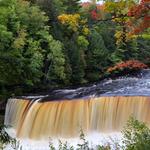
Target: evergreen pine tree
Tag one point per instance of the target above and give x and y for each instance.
(96, 56)
(77, 62)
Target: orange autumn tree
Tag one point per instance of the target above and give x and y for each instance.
(122, 13)
(128, 17)
(140, 17)
(131, 17)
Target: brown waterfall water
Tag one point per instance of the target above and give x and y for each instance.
(38, 120)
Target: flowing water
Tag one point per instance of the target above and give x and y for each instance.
(99, 110)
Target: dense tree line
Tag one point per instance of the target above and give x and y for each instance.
(53, 43)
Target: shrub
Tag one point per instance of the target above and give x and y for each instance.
(136, 135)
(126, 67)
(5, 140)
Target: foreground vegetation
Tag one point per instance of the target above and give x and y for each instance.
(55, 43)
(136, 136)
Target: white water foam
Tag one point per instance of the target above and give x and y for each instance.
(93, 139)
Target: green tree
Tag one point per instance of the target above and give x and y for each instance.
(97, 56)
(29, 54)
(75, 43)
(143, 45)
(78, 60)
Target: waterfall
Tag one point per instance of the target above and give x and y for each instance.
(41, 120)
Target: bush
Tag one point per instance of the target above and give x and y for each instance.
(5, 139)
(136, 136)
(126, 67)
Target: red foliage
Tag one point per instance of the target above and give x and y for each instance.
(140, 14)
(94, 15)
(128, 65)
(139, 9)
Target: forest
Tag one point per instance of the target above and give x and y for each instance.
(47, 44)
(69, 67)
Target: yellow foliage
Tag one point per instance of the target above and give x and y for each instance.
(83, 21)
(131, 36)
(74, 22)
(85, 31)
(70, 19)
(119, 37)
(119, 11)
(119, 7)
(120, 34)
